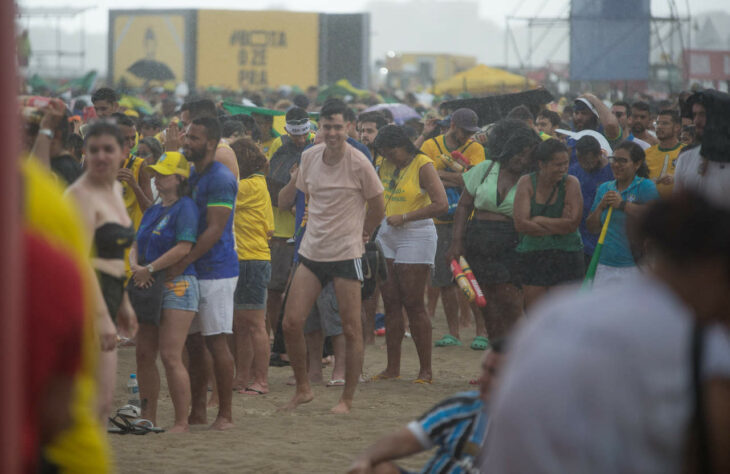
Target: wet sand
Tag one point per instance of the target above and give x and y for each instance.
(309, 440)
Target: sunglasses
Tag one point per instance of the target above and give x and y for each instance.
(298, 121)
(620, 161)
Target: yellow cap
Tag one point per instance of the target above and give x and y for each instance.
(172, 162)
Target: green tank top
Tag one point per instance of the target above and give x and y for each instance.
(567, 242)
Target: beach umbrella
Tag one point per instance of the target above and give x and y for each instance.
(591, 273)
(401, 112)
(483, 79)
(151, 70)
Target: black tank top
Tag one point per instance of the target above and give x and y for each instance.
(111, 239)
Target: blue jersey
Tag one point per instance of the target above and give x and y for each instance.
(360, 147)
(162, 228)
(589, 182)
(457, 427)
(616, 250)
(216, 187)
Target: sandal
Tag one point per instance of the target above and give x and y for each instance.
(423, 381)
(336, 383)
(447, 341)
(480, 343)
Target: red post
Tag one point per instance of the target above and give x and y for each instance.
(10, 282)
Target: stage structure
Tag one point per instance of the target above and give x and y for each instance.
(610, 40)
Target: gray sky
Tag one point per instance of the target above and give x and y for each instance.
(495, 10)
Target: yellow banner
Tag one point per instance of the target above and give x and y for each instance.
(254, 50)
(149, 48)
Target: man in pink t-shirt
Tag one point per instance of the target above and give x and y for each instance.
(339, 182)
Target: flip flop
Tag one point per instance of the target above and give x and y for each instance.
(423, 381)
(251, 391)
(336, 383)
(447, 341)
(142, 427)
(375, 378)
(480, 343)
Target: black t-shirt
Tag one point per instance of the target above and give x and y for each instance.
(66, 167)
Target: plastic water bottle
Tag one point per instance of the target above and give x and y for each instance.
(133, 390)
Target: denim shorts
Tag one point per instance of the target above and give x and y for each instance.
(182, 293)
(253, 279)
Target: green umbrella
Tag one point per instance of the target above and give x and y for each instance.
(591, 273)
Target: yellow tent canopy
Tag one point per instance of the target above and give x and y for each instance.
(483, 79)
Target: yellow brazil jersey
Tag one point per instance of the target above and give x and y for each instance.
(662, 162)
(253, 219)
(403, 191)
(83, 447)
(133, 163)
(435, 147)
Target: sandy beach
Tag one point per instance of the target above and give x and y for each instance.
(310, 440)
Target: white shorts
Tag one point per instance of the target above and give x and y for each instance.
(215, 310)
(606, 275)
(414, 242)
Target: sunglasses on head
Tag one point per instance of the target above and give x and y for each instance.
(298, 121)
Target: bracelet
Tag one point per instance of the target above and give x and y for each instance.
(404, 217)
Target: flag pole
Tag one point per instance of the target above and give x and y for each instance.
(591, 273)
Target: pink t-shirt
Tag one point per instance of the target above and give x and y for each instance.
(336, 206)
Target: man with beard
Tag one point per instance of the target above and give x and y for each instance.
(662, 157)
(214, 190)
(639, 121)
(368, 124)
(590, 113)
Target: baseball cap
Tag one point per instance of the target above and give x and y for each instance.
(465, 119)
(582, 102)
(172, 162)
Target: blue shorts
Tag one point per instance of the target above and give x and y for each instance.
(253, 280)
(182, 293)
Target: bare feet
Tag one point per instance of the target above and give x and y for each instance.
(197, 419)
(343, 406)
(221, 424)
(426, 377)
(298, 399)
(180, 429)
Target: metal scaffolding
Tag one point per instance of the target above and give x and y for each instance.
(56, 18)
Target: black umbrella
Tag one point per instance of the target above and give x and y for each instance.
(490, 109)
(151, 70)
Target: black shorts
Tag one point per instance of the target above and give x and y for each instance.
(490, 249)
(328, 271)
(551, 267)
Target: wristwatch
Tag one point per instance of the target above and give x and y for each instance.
(150, 268)
(47, 132)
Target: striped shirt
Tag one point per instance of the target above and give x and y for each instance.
(457, 426)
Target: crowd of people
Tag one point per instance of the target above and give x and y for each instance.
(204, 237)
